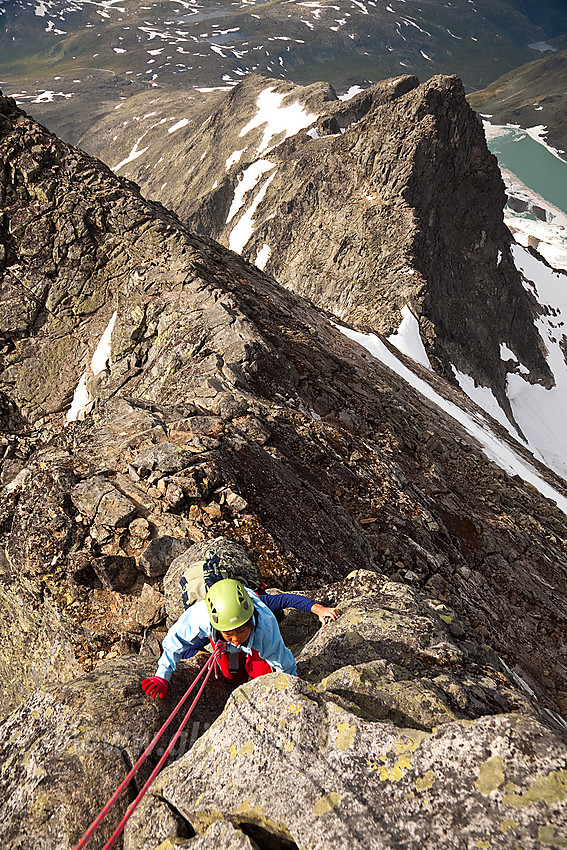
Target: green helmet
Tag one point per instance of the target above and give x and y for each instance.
(228, 604)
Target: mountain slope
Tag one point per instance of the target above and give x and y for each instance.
(206, 351)
(530, 96)
(48, 50)
(391, 199)
(219, 403)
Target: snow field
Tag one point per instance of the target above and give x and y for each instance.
(242, 232)
(248, 180)
(494, 448)
(407, 339)
(262, 257)
(540, 413)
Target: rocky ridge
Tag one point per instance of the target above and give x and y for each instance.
(230, 406)
(387, 200)
(360, 742)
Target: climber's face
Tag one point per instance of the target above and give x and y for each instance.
(238, 636)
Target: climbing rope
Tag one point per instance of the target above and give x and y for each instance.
(205, 671)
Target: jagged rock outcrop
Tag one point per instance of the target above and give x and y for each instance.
(389, 199)
(357, 765)
(358, 784)
(401, 712)
(231, 407)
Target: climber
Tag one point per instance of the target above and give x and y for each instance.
(245, 621)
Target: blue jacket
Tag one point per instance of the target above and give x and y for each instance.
(194, 629)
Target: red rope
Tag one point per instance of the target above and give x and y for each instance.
(207, 668)
(132, 807)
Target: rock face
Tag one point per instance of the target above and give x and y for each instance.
(222, 404)
(230, 407)
(357, 767)
(403, 730)
(367, 785)
(389, 199)
(67, 748)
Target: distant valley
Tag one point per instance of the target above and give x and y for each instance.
(70, 63)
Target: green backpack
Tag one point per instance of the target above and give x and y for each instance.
(216, 560)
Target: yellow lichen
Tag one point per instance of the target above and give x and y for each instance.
(549, 838)
(545, 789)
(507, 824)
(246, 749)
(491, 775)
(294, 707)
(345, 736)
(233, 752)
(288, 746)
(396, 773)
(425, 782)
(255, 814)
(326, 804)
(409, 746)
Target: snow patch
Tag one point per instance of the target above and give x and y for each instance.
(233, 158)
(542, 413)
(407, 339)
(182, 123)
(542, 46)
(247, 182)
(507, 354)
(101, 357)
(278, 119)
(351, 92)
(82, 399)
(243, 231)
(485, 398)
(134, 154)
(262, 257)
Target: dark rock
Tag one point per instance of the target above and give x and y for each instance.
(109, 571)
(160, 552)
(164, 458)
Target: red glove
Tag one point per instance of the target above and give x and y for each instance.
(155, 687)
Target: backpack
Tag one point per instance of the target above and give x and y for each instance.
(212, 561)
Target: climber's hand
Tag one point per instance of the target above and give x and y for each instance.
(155, 687)
(325, 613)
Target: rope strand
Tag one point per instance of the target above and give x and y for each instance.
(133, 806)
(207, 668)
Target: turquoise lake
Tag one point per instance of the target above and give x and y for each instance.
(533, 164)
